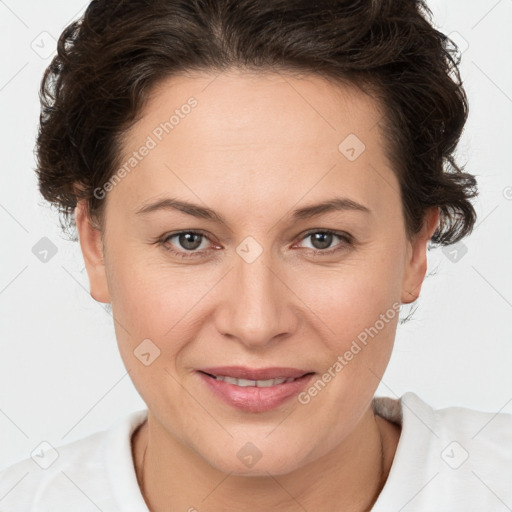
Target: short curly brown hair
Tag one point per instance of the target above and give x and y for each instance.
(108, 61)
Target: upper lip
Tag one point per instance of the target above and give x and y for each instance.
(243, 372)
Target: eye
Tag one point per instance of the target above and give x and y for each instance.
(322, 240)
(188, 243)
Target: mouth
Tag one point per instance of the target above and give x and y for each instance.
(256, 374)
(260, 383)
(233, 387)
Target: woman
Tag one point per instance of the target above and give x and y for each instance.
(254, 186)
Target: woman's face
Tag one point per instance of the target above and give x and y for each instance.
(260, 285)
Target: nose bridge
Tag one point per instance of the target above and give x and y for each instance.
(255, 311)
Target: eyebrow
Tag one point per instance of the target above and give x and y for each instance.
(195, 210)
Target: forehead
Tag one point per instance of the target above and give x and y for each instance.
(235, 107)
(259, 134)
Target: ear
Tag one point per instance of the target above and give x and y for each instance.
(416, 259)
(93, 252)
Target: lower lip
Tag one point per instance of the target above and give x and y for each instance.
(255, 399)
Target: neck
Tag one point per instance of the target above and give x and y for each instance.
(349, 478)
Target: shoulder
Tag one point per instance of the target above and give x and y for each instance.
(73, 476)
(453, 458)
(483, 435)
(51, 471)
(466, 424)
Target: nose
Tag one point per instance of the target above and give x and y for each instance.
(258, 307)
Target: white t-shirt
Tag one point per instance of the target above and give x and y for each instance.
(454, 459)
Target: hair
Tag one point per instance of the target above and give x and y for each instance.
(109, 61)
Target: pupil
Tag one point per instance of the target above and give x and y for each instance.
(325, 240)
(185, 240)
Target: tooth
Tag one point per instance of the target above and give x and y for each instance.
(267, 383)
(258, 383)
(245, 382)
(229, 380)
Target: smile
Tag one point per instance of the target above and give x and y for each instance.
(254, 395)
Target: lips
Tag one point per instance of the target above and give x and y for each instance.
(243, 372)
(255, 395)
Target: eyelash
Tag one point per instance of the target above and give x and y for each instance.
(347, 240)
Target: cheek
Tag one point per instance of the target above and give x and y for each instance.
(152, 328)
(158, 302)
(357, 327)
(353, 295)
(359, 314)
(358, 305)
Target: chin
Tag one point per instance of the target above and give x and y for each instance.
(249, 461)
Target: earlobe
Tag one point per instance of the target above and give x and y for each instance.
(92, 250)
(416, 262)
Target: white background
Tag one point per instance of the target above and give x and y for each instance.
(61, 377)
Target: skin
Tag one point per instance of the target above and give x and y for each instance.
(256, 147)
